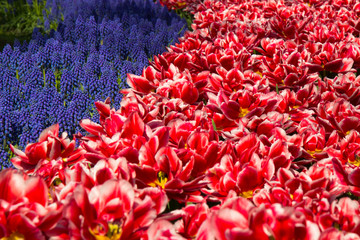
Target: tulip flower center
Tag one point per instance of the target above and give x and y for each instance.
(113, 233)
(181, 4)
(355, 162)
(160, 181)
(259, 73)
(243, 112)
(247, 194)
(14, 236)
(312, 153)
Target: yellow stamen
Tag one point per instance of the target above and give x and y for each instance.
(14, 236)
(243, 112)
(160, 181)
(356, 161)
(181, 4)
(337, 225)
(114, 232)
(259, 73)
(247, 194)
(312, 153)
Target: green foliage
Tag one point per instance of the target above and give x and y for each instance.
(213, 124)
(187, 16)
(18, 20)
(349, 195)
(7, 149)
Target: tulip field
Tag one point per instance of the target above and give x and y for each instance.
(121, 124)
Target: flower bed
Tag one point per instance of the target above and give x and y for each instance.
(246, 129)
(56, 78)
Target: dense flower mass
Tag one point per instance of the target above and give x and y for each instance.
(248, 128)
(56, 78)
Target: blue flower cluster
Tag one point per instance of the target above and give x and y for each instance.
(58, 77)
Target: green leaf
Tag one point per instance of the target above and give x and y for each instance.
(213, 124)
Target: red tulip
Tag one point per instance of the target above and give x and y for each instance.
(162, 229)
(189, 93)
(111, 210)
(24, 209)
(192, 218)
(333, 233)
(140, 84)
(49, 147)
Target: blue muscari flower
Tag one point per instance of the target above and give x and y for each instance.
(25, 136)
(9, 81)
(76, 109)
(85, 79)
(104, 28)
(92, 63)
(5, 117)
(127, 67)
(6, 54)
(117, 101)
(57, 77)
(67, 54)
(95, 117)
(108, 47)
(81, 52)
(4, 159)
(91, 34)
(54, 14)
(66, 29)
(58, 36)
(38, 37)
(67, 83)
(133, 20)
(17, 43)
(34, 80)
(55, 58)
(117, 62)
(80, 28)
(50, 79)
(25, 61)
(103, 63)
(125, 19)
(47, 24)
(50, 50)
(77, 71)
(138, 67)
(42, 57)
(56, 109)
(33, 46)
(14, 60)
(109, 82)
(24, 46)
